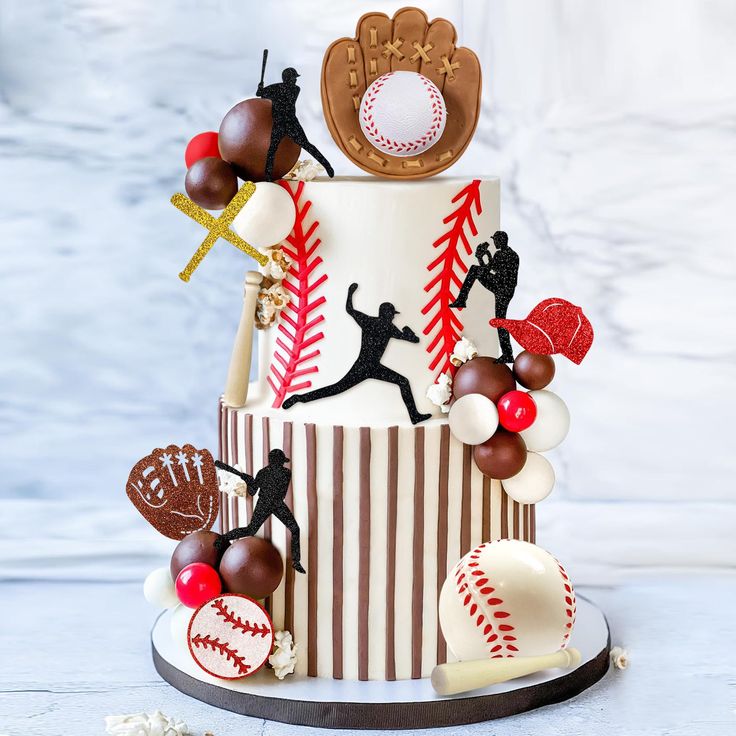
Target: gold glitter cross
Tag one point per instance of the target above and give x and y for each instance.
(219, 227)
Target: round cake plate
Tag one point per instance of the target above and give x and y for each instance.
(403, 704)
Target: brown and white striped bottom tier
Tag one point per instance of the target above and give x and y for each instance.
(384, 513)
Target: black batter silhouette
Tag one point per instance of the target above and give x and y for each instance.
(285, 124)
(499, 274)
(377, 332)
(271, 483)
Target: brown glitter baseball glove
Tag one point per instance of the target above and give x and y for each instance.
(407, 42)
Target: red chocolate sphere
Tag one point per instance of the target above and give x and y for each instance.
(483, 375)
(245, 135)
(251, 566)
(197, 583)
(534, 371)
(501, 456)
(516, 411)
(195, 547)
(202, 145)
(211, 183)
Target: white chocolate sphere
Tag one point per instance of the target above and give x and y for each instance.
(534, 482)
(473, 419)
(402, 113)
(551, 425)
(267, 217)
(158, 588)
(506, 599)
(179, 625)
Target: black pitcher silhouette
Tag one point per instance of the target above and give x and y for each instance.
(271, 483)
(377, 332)
(499, 274)
(285, 124)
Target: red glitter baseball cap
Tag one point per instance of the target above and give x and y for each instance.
(553, 326)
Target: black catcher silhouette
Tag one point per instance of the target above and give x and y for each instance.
(498, 273)
(285, 124)
(377, 332)
(271, 483)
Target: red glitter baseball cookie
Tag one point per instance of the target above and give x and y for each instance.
(230, 637)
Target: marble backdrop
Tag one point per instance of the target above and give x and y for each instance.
(612, 126)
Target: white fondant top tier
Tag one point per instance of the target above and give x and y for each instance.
(405, 243)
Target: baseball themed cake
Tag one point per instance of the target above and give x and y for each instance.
(366, 512)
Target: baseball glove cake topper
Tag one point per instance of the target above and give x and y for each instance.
(401, 99)
(176, 490)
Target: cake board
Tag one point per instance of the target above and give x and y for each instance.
(402, 704)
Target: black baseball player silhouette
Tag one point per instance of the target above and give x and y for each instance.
(285, 124)
(271, 483)
(499, 274)
(377, 332)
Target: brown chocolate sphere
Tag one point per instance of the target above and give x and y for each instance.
(534, 371)
(501, 456)
(245, 135)
(251, 566)
(195, 547)
(211, 183)
(483, 375)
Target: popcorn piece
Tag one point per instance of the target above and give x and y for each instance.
(230, 483)
(464, 351)
(272, 298)
(619, 658)
(440, 393)
(283, 659)
(305, 170)
(278, 264)
(145, 724)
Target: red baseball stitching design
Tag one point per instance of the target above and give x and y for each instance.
(389, 144)
(451, 269)
(570, 604)
(297, 321)
(484, 607)
(223, 648)
(236, 622)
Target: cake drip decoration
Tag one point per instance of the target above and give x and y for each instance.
(376, 333)
(401, 98)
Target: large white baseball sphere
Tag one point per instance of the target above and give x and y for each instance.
(403, 113)
(506, 599)
(534, 482)
(267, 217)
(158, 588)
(473, 419)
(551, 425)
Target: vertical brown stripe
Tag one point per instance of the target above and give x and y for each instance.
(364, 550)
(526, 522)
(466, 501)
(234, 511)
(515, 515)
(486, 521)
(533, 523)
(266, 432)
(337, 547)
(417, 588)
(223, 497)
(442, 530)
(290, 572)
(392, 505)
(249, 460)
(312, 541)
(504, 515)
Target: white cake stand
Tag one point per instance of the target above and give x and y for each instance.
(327, 703)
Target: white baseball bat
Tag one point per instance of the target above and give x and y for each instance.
(238, 374)
(460, 677)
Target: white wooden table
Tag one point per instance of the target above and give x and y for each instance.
(71, 653)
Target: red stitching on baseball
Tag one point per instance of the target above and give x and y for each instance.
(236, 622)
(223, 648)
